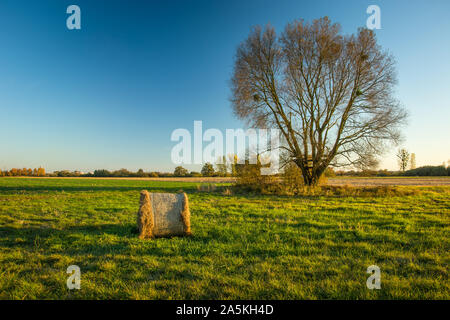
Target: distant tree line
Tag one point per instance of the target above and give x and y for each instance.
(223, 169)
(14, 172)
(419, 172)
(107, 173)
(429, 171)
(207, 171)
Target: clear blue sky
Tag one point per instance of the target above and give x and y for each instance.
(109, 95)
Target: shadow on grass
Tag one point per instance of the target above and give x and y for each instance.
(85, 239)
(16, 189)
(125, 257)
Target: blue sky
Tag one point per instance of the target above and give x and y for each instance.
(110, 95)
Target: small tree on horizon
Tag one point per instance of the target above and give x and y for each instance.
(180, 172)
(403, 159)
(207, 170)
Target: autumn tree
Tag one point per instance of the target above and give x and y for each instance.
(41, 172)
(180, 172)
(403, 159)
(329, 94)
(207, 170)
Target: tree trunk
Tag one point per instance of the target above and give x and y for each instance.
(310, 176)
(311, 180)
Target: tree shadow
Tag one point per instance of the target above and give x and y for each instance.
(43, 188)
(42, 238)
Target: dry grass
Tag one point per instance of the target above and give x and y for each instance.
(329, 190)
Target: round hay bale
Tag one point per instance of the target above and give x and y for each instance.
(163, 215)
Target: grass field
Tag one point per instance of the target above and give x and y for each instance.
(243, 247)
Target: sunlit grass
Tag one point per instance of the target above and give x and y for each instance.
(244, 247)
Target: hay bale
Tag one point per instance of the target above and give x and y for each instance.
(145, 219)
(163, 215)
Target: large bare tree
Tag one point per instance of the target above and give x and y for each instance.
(330, 94)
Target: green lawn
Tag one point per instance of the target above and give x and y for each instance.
(243, 247)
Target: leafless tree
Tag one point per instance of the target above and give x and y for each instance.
(403, 159)
(331, 95)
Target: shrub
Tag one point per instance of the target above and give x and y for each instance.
(292, 178)
(250, 179)
(329, 172)
(195, 174)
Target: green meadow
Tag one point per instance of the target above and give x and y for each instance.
(243, 246)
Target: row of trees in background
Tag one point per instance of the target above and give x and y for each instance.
(419, 172)
(232, 168)
(207, 171)
(107, 173)
(407, 160)
(14, 172)
(429, 171)
(223, 168)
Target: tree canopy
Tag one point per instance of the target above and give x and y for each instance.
(331, 95)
